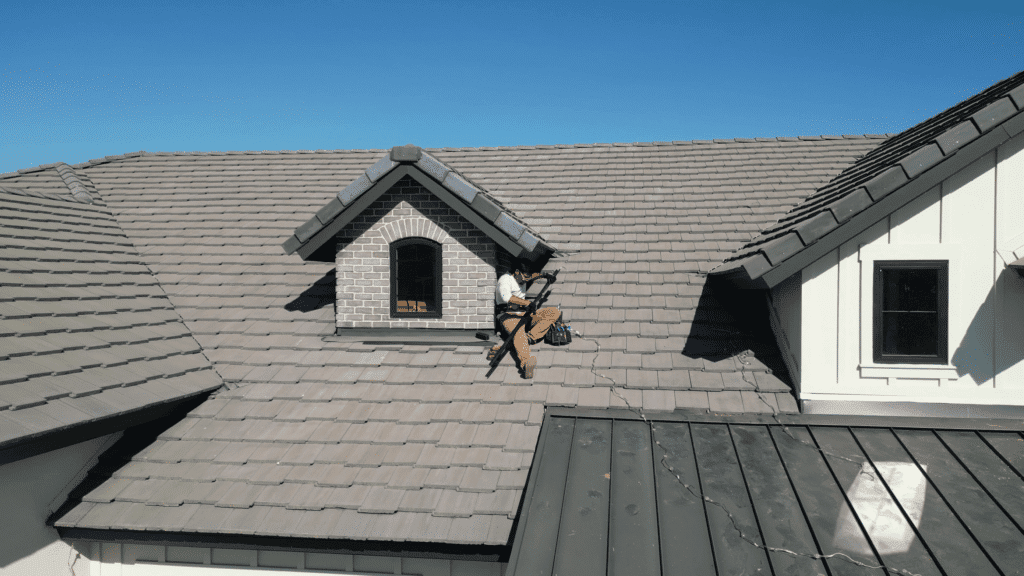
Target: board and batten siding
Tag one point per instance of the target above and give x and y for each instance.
(974, 219)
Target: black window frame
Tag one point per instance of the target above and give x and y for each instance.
(393, 253)
(942, 349)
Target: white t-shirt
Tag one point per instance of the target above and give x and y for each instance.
(507, 288)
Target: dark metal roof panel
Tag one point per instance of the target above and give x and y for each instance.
(734, 496)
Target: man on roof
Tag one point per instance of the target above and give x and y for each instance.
(512, 305)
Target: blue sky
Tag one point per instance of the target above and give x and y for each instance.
(88, 79)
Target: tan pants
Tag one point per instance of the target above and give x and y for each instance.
(539, 324)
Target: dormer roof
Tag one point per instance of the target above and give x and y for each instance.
(453, 188)
(888, 177)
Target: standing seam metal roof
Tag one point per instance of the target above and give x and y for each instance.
(795, 495)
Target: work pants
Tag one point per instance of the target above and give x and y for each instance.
(539, 324)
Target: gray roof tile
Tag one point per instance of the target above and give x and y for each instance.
(295, 397)
(455, 504)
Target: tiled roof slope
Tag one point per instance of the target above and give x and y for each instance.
(891, 175)
(86, 332)
(455, 189)
(330, 439)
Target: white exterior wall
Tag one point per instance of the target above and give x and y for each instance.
(33, 489)
(974, 219)
(110, 559)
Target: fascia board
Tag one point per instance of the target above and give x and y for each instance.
(468, 213)
(884, 207)
(352, 210)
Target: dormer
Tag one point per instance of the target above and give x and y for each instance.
(416, 245)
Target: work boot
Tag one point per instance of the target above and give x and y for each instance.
(528, 366)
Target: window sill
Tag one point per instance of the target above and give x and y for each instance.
(922, 371)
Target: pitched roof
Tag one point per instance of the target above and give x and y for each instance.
(457, 191)
(904, 167)
(330, 438)
(677, 494)
(86, 333)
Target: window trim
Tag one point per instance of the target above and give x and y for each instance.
(941, 358)
(438, 283)
(880, 249)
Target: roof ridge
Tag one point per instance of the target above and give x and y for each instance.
(74, 184)
(804, 138)
(664, 143)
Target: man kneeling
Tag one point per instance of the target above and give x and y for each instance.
(510, 297)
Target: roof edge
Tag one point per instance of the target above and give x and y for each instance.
(907, 178)
(438, 550)
(57, 438)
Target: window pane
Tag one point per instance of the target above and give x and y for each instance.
(910, 289)
(414, 282)
(910, 333)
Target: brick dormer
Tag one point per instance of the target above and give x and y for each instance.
(416, 244)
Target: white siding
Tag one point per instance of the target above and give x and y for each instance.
(33, 489)
(975, 219)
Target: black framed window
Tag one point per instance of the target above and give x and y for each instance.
(415, 278)
(911, 311)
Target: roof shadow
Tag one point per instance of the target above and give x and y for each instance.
(321, 294)
(728, 322)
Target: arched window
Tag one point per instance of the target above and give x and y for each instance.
(415, 278)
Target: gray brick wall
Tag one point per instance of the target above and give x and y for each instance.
(408, 210)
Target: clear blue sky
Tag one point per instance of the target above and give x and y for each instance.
(81, 80)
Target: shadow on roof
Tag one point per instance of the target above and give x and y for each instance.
(322, 293)
(729, 322)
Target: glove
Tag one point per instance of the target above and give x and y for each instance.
(532, 307)
(547, 276)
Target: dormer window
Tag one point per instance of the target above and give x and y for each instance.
(415, 278)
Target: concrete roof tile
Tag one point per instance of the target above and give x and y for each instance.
(337, 476)
(351, 497)
(498, 502)
(475, 457)
(448, 477)
(408, 478)
(260, 335)
(421, 500)
(500, 460)
(455, 504)
(512, 479)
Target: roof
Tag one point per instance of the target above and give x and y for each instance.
(472, 202)
(904, 167)
(674, 494)
(329, 438)
(86, 333)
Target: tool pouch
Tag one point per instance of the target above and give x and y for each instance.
(559, 334)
